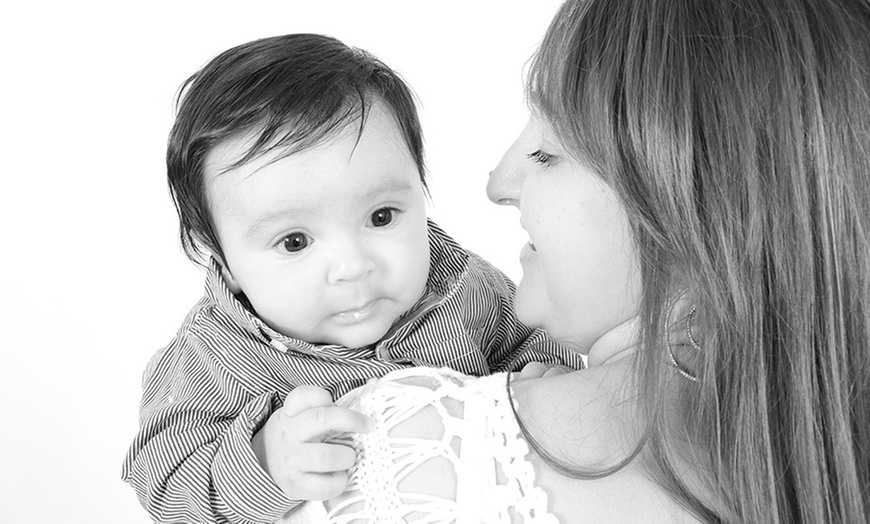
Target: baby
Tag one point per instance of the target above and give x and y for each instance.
(296, 166)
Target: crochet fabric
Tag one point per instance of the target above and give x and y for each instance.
(446, 448)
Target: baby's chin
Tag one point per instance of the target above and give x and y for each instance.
(358, 338)
(346, 336)
(361, 334)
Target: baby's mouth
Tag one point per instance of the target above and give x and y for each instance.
(356, 314)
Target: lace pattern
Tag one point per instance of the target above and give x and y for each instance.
(473, 432)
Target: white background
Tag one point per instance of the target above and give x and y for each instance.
(93, 277)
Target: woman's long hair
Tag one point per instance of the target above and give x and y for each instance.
(737, 134)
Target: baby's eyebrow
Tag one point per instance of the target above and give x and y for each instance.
(390, 185)
(269, 217)
(374, 191)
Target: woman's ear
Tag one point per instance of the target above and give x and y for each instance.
(231, 282)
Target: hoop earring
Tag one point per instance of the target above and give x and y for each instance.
(673, 359)
(689, 318)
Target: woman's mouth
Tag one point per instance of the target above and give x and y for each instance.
(528, 251)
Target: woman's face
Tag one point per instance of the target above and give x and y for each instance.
(581, 275)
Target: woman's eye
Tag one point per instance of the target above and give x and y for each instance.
(539, 157)
(294, 242)
(382, 217)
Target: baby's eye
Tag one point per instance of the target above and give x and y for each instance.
(294, 242)
(540, 157)
(382, 217)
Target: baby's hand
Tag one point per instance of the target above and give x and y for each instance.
(539, 369)
(292, 448)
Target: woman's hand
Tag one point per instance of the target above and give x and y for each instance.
(540, 370)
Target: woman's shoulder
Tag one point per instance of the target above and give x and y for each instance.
(452, 440)
(629, 495)
(589, 420)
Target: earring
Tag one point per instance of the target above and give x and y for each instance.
(673, 359)
(689, 318)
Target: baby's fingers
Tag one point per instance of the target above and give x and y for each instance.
(321, 486)
(323, 423)
(317, 418)
(305, 397)
(325, 458)
(557, 370)
(541, 370)
(532, 370)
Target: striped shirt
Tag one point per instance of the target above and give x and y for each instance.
(214, 386)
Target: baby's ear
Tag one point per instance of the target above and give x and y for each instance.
(231, 282)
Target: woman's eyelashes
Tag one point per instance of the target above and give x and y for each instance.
(540, 157)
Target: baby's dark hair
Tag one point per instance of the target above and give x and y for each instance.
(293, 92)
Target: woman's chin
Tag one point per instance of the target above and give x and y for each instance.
(527, 309)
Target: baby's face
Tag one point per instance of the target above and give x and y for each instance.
(330, 245)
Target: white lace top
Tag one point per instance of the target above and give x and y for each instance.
(446, 448)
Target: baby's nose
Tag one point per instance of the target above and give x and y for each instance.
(349, 263)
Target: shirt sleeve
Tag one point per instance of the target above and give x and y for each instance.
(509, 344)
(192, 460)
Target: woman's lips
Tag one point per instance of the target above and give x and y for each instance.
(527, 251)
(529, 246)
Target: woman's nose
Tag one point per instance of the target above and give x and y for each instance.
(497, 190)
(506, 180)
(504, 183)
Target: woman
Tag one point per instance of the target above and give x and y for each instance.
(694, 184)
